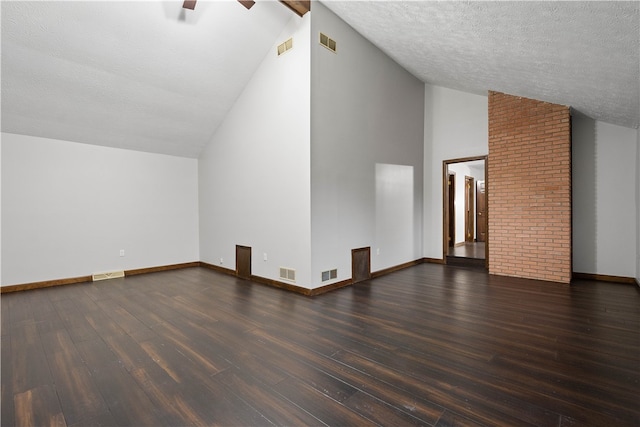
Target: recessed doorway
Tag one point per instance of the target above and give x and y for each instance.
(465, 226)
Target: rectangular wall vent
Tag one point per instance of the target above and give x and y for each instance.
(110, 275)
(282, 48)
(288, 274)
(329, 274)
(328, 42)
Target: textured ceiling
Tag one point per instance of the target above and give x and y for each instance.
(579, 53)
(151, 76)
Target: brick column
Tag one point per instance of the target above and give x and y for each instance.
(529, 188)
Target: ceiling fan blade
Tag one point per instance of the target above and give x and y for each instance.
(300, 7)
(189, 4)
(247, 3)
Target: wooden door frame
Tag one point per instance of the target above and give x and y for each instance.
(445, 203)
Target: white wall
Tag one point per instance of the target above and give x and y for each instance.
(0, 211)
(638, 206)
(455, 126)
(254, 174)
(68, 209)
(604, 190)
(366, 153)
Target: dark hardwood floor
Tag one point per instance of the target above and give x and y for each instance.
(428, 345)
(470, 255)
(474, 250)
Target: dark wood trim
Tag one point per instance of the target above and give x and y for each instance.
(84, 279)
(331, 287)
(157, 269)
(44, 284)
(258, 279)
(299, 289)
(217, 268)
(275, 283)
(466, 159)
(395, 268)
(604, 278)
(281, 285)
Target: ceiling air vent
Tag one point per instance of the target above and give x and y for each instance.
(282, 48)
(328, 42)
(288, 274)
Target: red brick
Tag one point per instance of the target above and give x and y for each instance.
(529, 170)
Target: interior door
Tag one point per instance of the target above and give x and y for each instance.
(243, 262)
(469, 211)
(451, 189)
(481, 211)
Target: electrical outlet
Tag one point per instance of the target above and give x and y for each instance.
(121, 252)
(264, 256)
(221, 261)
(378, 251)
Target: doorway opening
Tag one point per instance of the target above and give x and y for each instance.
(465, 226)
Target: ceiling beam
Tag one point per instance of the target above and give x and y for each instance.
(300, 7)
(189, 4)
(247, 3)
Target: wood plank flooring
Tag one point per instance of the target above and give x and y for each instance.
(468, 250)
(429, 345)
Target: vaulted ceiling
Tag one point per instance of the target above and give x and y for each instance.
(585, 54)
(148, 76)
(152, 76)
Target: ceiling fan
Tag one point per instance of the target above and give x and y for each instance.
(300, 7)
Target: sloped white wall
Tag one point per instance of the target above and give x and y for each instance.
(254, 174)
(455, 126)
(366, 153)
(638, 206)
(1, 211)
(605, 184)
(68, 209)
